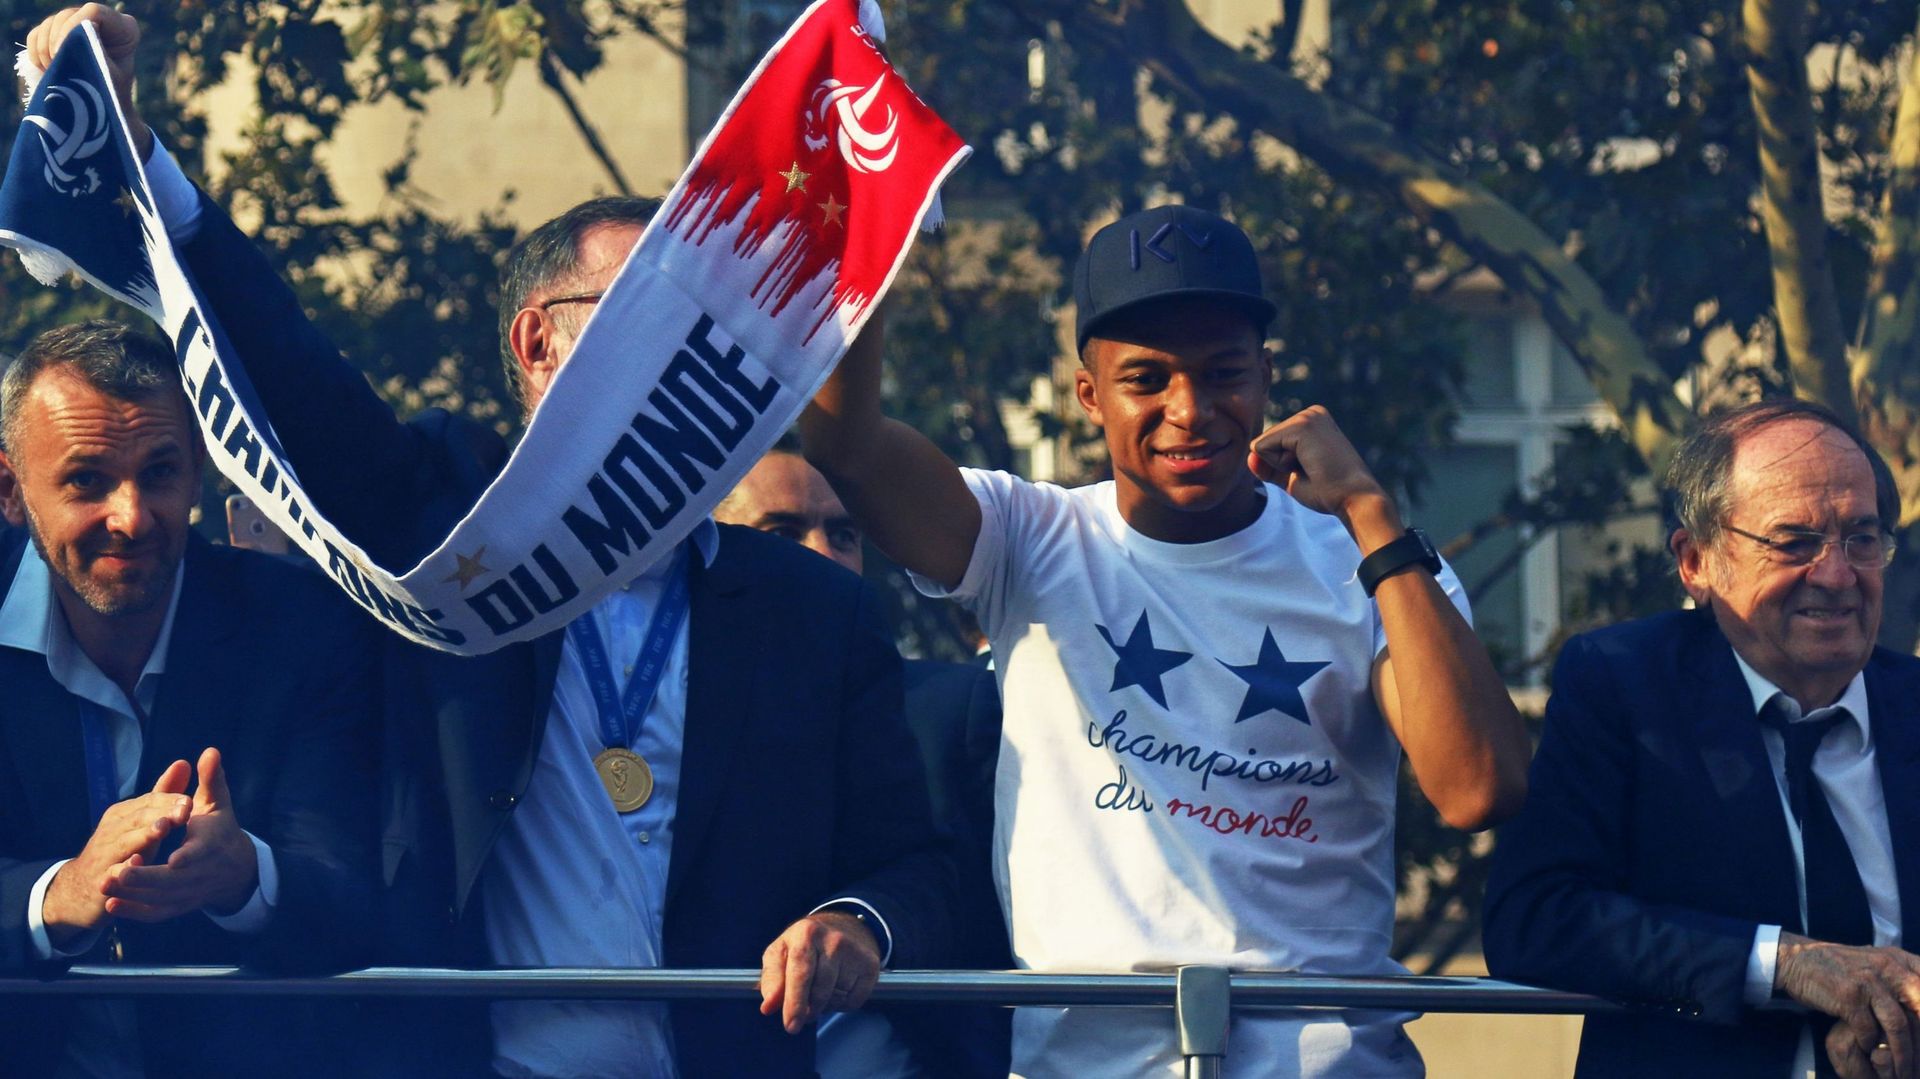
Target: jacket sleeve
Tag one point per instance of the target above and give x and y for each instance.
(1560, 910)
(322, 824)
(361, 466)
(887, 849)
(17, 878)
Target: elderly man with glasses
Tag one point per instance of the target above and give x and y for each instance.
(1724, 814)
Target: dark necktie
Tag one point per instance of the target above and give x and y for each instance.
(1836, 902)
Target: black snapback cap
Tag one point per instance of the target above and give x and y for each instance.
(1162, 253)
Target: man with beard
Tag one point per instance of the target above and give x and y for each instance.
(129, 648)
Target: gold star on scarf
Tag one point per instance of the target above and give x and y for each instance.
(469, 568)
(126, 202)
(795, 178)
(833, 210)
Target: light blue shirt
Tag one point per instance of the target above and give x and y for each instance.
(572, 882)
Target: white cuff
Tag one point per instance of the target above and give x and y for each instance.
(174, 196)
(43, 946)
(253, 916)
(886, 932)
(1760, 962)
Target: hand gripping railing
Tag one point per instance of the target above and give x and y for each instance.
(1201, 996)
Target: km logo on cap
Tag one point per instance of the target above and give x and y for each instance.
(1200, 238)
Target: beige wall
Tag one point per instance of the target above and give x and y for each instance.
(470, 156)
(1497, 1046)
(1460, 1046)
(1234, 20)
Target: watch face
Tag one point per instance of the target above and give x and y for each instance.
(1429, 554)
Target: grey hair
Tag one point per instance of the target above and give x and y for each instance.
(108, 356)
(1697, 480)
(549, 254)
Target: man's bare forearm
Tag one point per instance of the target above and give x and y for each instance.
(906, 493)
(1462, 735)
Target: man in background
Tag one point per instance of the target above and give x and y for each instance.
(953, 711)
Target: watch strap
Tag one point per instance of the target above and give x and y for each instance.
(1412, 549)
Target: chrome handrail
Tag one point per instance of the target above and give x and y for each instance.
(1020, 987)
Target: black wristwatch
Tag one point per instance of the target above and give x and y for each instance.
(1412, 549)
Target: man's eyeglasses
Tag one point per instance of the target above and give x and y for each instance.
(1862, 550)
(582, 297)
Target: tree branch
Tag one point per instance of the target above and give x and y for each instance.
(550, 75)
(1774, 33)
(1886, 369)
(1357, 147)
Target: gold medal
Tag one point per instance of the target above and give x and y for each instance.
(625, 774)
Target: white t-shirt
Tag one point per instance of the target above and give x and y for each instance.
(1192, 770)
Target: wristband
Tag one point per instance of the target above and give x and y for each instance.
(1410, 550)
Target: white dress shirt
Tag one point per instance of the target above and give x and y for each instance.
(1845, 769)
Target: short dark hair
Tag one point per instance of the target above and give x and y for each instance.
(1696, 480)
(550, 253)
(109, 356)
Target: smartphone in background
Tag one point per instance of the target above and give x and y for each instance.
(248, 527)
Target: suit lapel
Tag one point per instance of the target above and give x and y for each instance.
(43, 738)
(42, 725)
(200, 658)
(1728, 736)
(1896, 751)
(722, 628)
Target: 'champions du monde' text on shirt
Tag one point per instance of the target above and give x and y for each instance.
(1192, 770)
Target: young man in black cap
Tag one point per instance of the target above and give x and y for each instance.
(1196, 658)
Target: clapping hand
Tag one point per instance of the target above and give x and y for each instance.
(216, 869)
(76, 900)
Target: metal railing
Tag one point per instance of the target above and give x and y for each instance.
(1201, 996)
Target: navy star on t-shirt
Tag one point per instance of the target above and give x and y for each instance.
(1140, 663)
(1273, 683)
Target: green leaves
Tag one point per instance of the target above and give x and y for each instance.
(497, 38)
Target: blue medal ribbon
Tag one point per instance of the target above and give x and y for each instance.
(621, 713)
(103, 786)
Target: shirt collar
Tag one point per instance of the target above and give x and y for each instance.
(705, 538)
(1854, 699)
(31, 620)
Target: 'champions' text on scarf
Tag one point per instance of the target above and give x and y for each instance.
(758, 272)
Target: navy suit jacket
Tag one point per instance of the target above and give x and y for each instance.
(798, 784)
(1653, 844)
(271, 665)
(953, 710)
